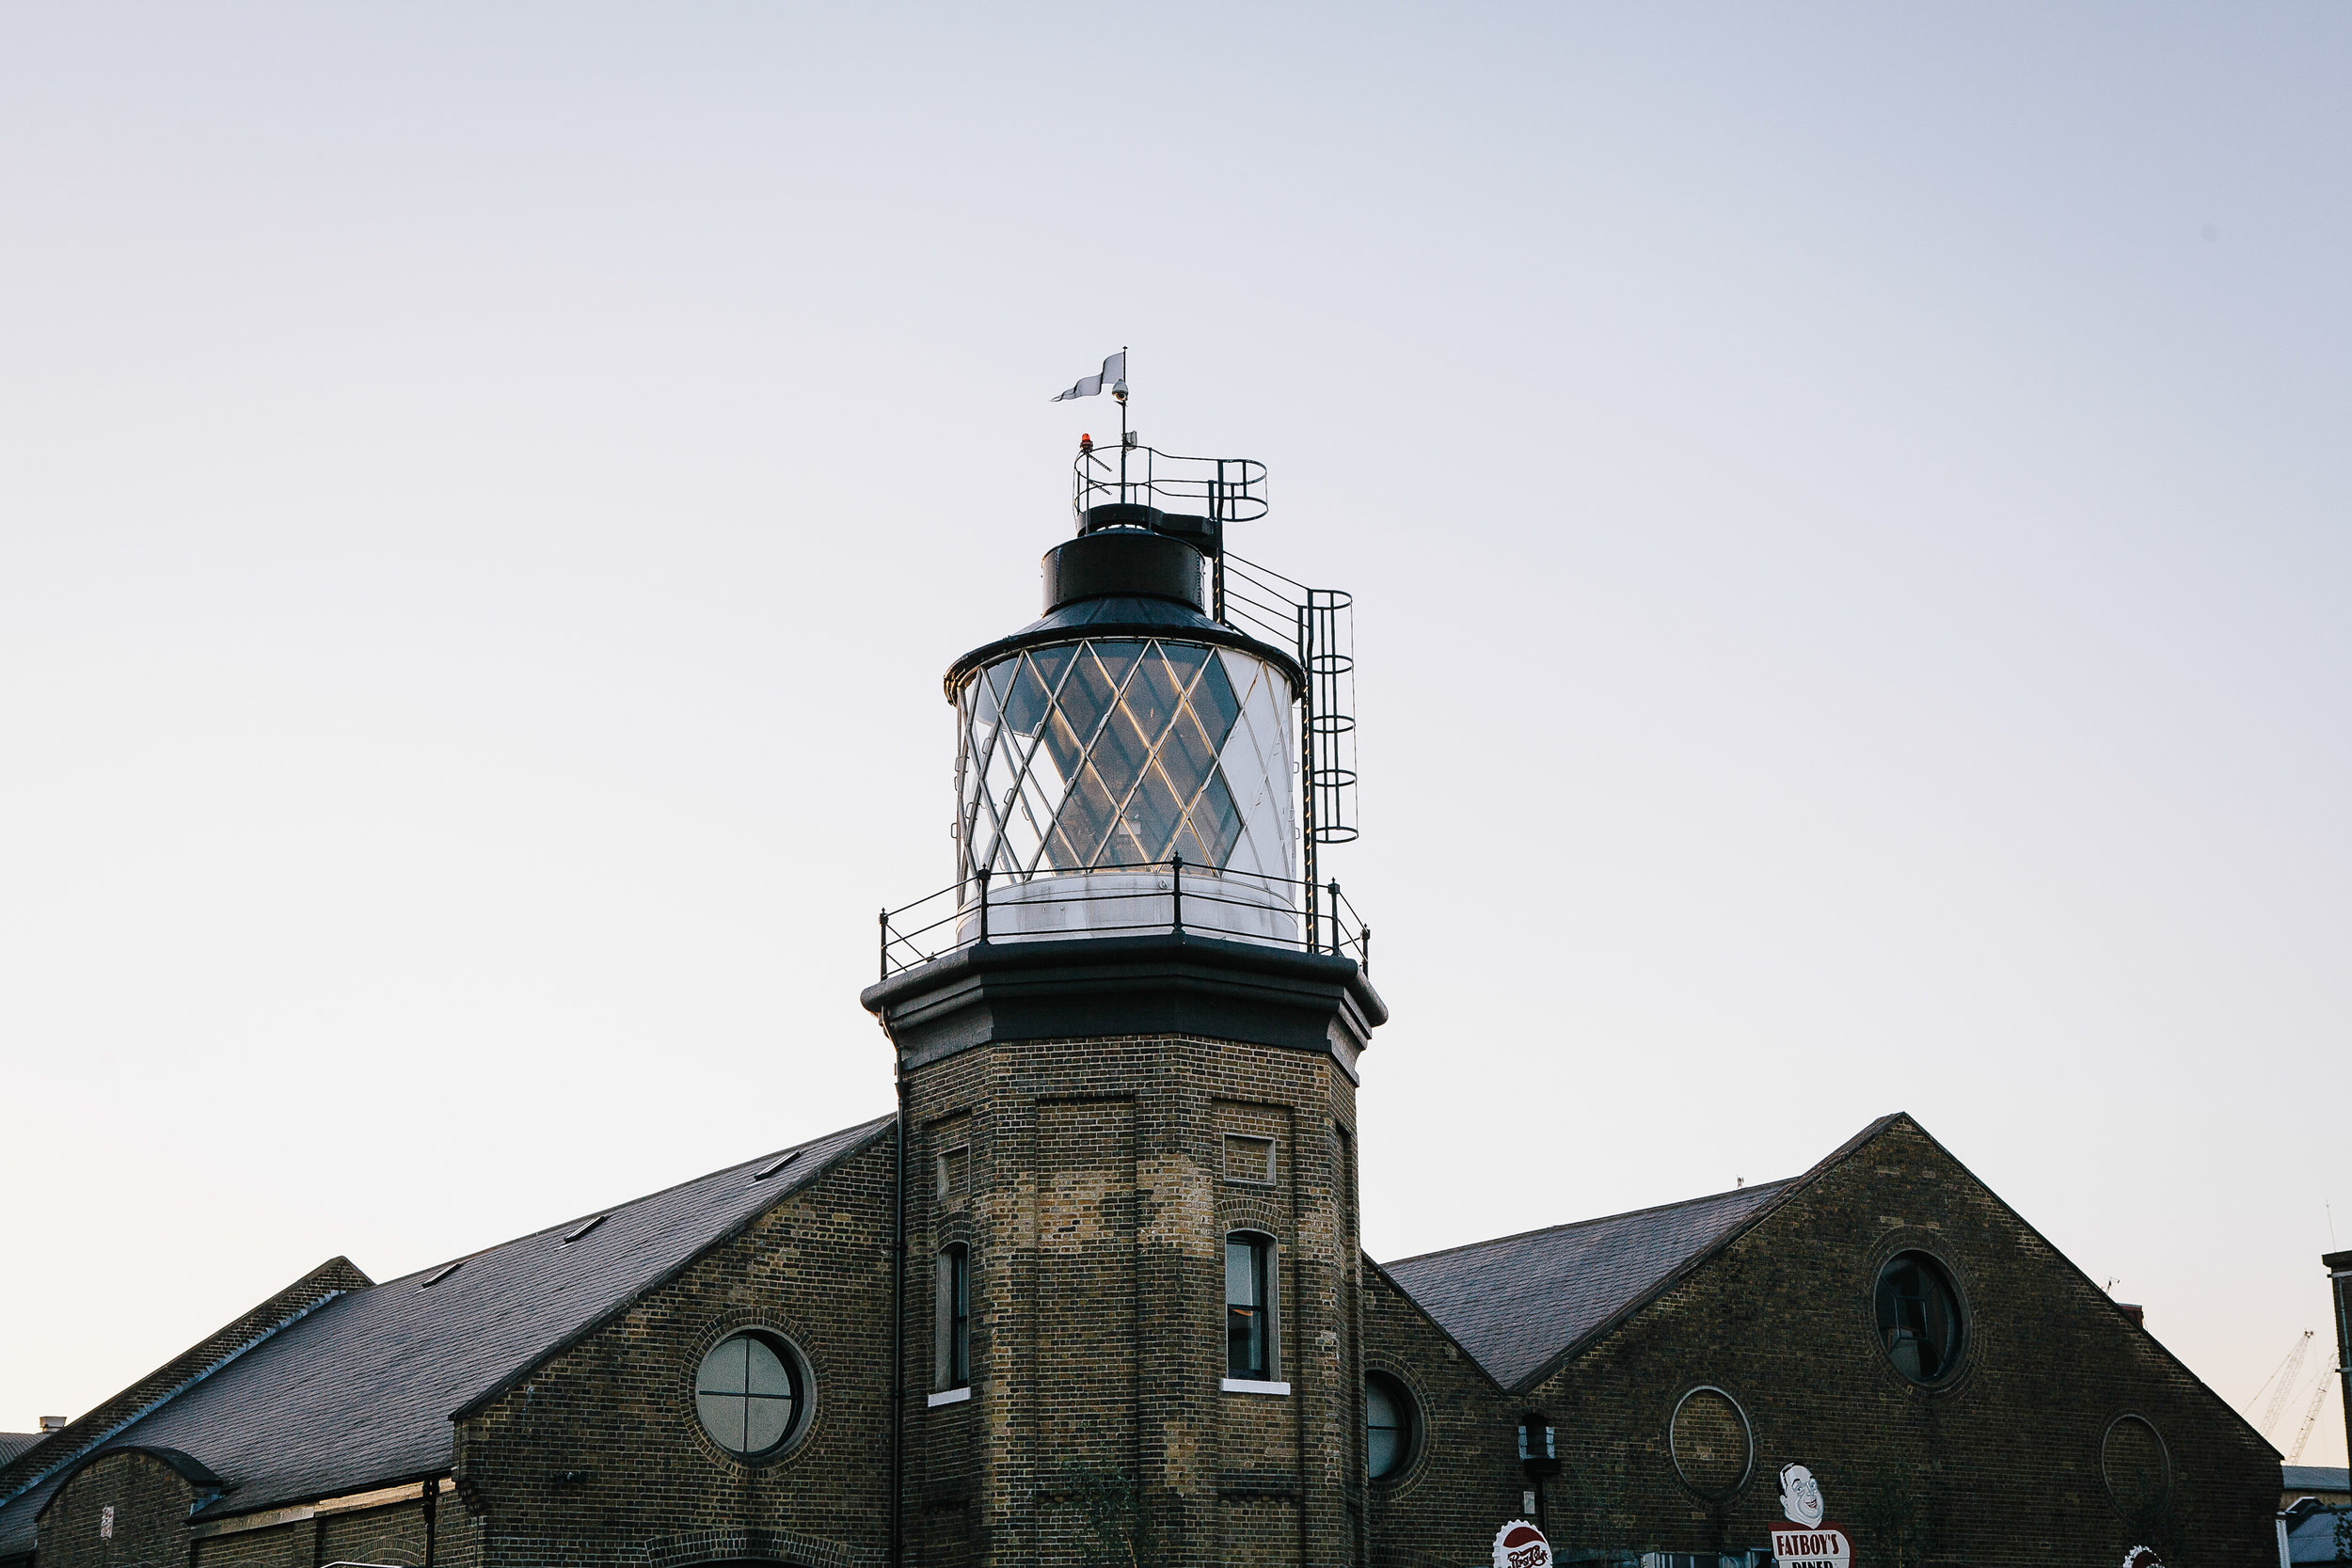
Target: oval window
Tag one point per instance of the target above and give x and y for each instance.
(1920, 1319)
(1388, 1425)
(1712, 1448)
(748, 1393)
(2134, 1463)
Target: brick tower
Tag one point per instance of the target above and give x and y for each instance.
(1127, 1045)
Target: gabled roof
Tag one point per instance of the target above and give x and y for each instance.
(363, 1390)
(46, 1457)
(1517, 1303)
(1521, 1305)
(14, 1443)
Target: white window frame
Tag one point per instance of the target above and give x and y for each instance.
(1272, 1383)
(955, 1257)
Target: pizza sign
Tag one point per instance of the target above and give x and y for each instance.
(1520, 1545)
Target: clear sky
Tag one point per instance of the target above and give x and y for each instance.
(1848, 506)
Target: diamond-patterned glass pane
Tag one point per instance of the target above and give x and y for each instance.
(1152, 693)
(1030, 694)
(1085, 696)
(1117, 658)
(1213, 700)
(1155, 816)
(1087, 816)
(1062, 750)
(1187, 756)
(1216, 821)
(986, 691)
(1122, 751)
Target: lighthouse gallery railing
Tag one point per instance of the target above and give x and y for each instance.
(957, 916)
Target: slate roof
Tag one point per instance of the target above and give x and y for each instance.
(2314, 1477)
(14, 1443)
(2311, 1534)
(360, 1392)
(1519, 1303)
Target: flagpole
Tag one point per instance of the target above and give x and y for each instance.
(1119, 395)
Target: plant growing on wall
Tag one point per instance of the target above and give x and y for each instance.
(1109, 1505)
(1895, 1530)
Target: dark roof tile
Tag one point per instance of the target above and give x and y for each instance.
(1516, 1303)
(360, 1391)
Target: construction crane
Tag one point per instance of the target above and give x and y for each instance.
(2284, 1376)
(2310, 1413)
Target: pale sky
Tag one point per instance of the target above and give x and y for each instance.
(1848, 505)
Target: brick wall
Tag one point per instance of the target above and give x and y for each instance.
(1097, 1216)
(148, 1502)
(2001, 1465)
(600, 1456)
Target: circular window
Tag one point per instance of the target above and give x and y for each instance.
(1713, 1449)
(1388, 1425)
(2137, 1470)
(748, 1393)
(1919, 1320)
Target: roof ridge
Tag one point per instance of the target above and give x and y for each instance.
(1430, 1318)
(175, 1376)
(1763, 1212)
(644, 1198)
(2244, 1422)
(1596, 1219)
(853, 1139)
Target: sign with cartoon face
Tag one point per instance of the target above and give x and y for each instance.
(1520, 1545)
(1800, 1494)
(1807, 1540)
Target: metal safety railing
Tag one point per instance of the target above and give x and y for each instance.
(958, 916)
(1229, 489)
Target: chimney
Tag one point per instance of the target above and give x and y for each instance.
(55, 1423)
(2138, 1313)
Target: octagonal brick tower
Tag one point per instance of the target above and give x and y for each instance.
(1128, 1044)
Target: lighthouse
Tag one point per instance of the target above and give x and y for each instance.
(1128, 1039)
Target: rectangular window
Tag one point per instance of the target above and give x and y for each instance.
(1250, 1329)
(1248, 1159)
(954, 1173)
(953, 1340)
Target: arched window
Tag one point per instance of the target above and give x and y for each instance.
(1919, 1317)
(1388, 1425)
(952, 1365)
(748, 1393)
(1252, 1338)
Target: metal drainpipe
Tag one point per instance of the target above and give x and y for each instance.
(897, 1331)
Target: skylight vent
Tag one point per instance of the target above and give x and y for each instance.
(772, 1170)
(584, 1227)
(443, 1273)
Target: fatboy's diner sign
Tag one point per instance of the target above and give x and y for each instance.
(1520, 1545)
(1807, 1540)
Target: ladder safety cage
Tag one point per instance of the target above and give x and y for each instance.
(1194, 498)
(1319, 625)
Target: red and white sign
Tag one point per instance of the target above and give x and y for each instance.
(1807, 1540)
(1822, 1545)
(1520, 1545)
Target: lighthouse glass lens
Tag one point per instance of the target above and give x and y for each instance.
(1123, 753)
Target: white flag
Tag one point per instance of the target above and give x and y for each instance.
(1114, 370)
